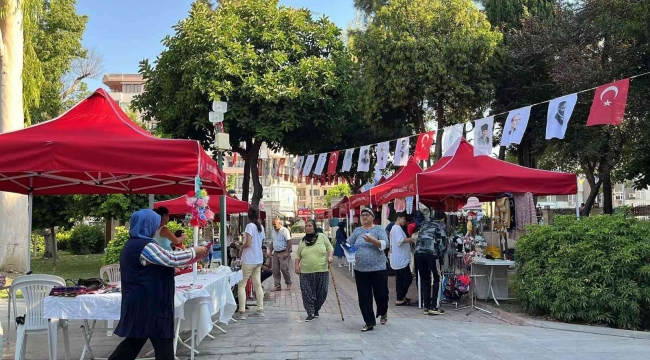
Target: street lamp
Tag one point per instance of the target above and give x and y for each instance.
(221, 143)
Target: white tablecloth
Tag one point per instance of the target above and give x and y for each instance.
(213, 297)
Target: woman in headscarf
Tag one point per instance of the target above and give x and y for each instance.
(313, 257)
(148, 290)
(341, 237)
(370, 269)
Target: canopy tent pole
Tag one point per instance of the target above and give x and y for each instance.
(222, 231)
(577, 207)
(151, 201)
(30, 200)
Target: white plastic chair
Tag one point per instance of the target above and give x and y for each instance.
(34, 289)
(112, 272)
(114, 275)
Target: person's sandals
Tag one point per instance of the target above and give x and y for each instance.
(406, 302)
(367, 328)
(289, 287)
(384, 319)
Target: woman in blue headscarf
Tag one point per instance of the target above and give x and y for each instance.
(148, 289)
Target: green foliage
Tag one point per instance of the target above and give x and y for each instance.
(594, 270)
(51, 211)
(114, 248)
(86, 239)
(509, 13)
(287, 79)
(63, 240)
(116, 206)
(417, 55)
(40, 242)
(337, 191)
(298, 227)
(173, 226)
(231, 182)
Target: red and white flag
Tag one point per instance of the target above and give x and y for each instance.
(423, 147)
(609, 103)
(280, 168)
(333, 162)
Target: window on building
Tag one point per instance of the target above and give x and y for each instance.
(301, 192)
(315, 192)
(132, 88)
(324, 192)
(563, 198)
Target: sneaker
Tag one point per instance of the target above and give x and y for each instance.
(436, 311)
(288, 286)
(384, 319)
(316, 314)
(309, 318)
(258, 313)
(367, 328)
(340, 265)
(239, 316)
(426, 311)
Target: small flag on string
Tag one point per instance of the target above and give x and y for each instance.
(382, 155)
(423, 146)
(558, 115)
(298, 169)
(609, 103)
(483, 136)
(320, 164)
(309, 163)
(347, 160)
(333, 163)
(515, 126)
(450, 137)
(364, 159)
(401, 152)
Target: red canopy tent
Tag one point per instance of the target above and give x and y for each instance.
(179, 206)
(94, 148)
(462, 173)
(341, 208)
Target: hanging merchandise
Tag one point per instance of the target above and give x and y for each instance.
(525, 212)
(483, 136)
(200, 212)
(401, 152)
(409, 204)
(400, 205)
(558, 115)
(515, 126)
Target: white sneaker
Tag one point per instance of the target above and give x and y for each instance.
(258, 313)
(239, 315)
(340, 265)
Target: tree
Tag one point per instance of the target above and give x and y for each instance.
(337, 191)
(50, 212)
(90, 66)
(115, 206)
(282, 73)
(508, 14)
(423, 59)
(231, 182)
(13, 207)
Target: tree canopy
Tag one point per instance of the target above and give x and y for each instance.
(285, 75)
(417, 56)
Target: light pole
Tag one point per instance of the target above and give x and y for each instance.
(221, 143)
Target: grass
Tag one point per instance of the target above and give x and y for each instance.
(70, 266)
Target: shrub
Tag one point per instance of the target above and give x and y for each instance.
(114, 249)
(189, 231)
(40, 242)
(298, 228)
(594, 270)
(86, 239)
(63, 240)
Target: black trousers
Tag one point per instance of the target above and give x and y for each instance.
(265, 275)
(426, 266)
(129, 349)
(372, 284)
(403, 280)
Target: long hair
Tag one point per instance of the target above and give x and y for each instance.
(254, 217)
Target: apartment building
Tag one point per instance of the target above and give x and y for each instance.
(621, 195)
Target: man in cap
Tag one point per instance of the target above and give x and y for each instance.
(429, 254)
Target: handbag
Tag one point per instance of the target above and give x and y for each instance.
(90, 284)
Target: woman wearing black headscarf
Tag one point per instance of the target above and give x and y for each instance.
(148, 289)
(313, 257)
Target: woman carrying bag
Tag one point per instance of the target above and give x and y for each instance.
(313, 257)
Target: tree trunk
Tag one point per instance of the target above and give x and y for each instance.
(55, 248)
(524, 155)
(502, 153)
(246, 181)
(253, 157)
(14, 235)
(608, 208)
(440, 115)
(47, 252)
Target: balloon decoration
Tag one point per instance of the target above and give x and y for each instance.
(200, 211)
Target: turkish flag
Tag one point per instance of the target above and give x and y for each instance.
(423, 147)
(333, 162)
(608, 107)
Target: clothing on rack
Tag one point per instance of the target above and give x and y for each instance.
(525, 210)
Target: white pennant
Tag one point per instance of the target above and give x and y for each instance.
(515, 126)
(364, 159)
(298, 168)
(347, 160)
(483, 136)
(309, 163)
(401, 152)
(382, 155)
(320, 164)
(559, 113)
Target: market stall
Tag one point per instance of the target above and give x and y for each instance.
(179, 205)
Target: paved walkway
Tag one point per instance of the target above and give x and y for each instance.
(283, 334)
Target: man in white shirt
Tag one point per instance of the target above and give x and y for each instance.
(280, 249)
(400, 258)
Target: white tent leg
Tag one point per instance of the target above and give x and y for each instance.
(151, 201)
(194, 266)
(578, 206)
(30, 199)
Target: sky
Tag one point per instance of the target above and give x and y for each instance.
(126, 31)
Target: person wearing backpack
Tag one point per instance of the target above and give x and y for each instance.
(430, 250)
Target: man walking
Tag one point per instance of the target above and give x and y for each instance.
(400, 258)
(281, 250)
(429, 254)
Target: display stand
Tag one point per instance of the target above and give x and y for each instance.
(472, 295)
